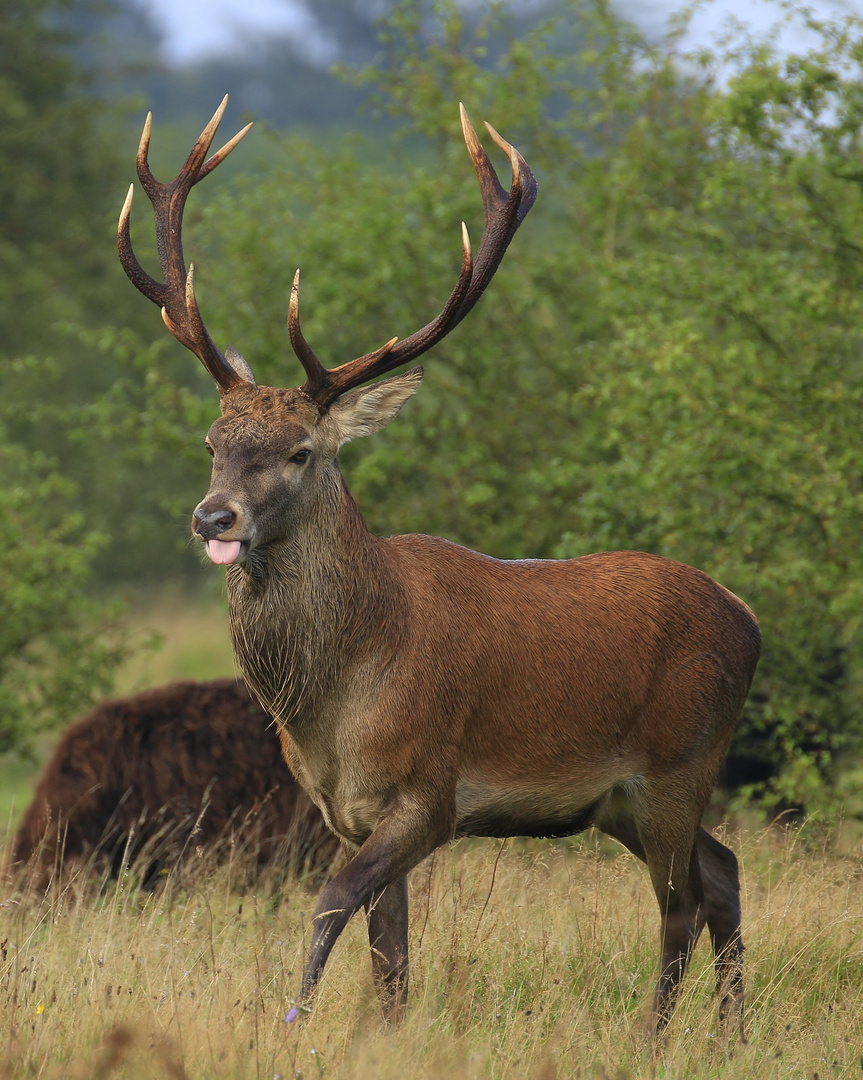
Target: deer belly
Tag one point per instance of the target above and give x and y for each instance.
(484, 809)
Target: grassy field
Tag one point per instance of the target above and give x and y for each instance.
(530, 960)
(191, 642)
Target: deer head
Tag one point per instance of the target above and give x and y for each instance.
(275, 450)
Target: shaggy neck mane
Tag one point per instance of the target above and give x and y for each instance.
(306, 609)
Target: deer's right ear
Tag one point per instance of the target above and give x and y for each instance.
(370, 408)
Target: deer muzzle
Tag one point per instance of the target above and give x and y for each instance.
(210, 524)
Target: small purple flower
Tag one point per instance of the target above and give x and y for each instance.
(292, 1014)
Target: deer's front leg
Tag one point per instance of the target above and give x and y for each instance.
(377, 879)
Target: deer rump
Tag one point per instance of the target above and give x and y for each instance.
(161, 774)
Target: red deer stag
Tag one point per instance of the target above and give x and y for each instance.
(428, 692)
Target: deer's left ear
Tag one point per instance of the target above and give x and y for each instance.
(370, 408)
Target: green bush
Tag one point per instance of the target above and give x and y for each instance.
(58, 646)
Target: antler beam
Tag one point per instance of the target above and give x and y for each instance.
(176, 296)
(504, 212)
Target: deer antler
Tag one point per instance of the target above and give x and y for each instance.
(176, 297)
(504, 212)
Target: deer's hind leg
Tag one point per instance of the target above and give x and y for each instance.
(722, 913)
(666, 842)
(672, 862)
(704, 890)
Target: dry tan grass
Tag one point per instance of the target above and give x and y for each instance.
(546, 974)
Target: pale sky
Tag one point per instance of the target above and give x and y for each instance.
(196, 28)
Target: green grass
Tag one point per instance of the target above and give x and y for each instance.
(17, 779)
(175, 638)
(189, 641)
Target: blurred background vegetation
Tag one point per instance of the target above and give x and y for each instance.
(670, 358)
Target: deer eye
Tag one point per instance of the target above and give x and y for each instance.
(301, 456)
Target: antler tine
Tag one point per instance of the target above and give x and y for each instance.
(337, 380)
(314, 369)
(176, 296)
(142, 164)
(521, 173)
(220, 155)
(504, 212)
(142, 281)
(321, 384)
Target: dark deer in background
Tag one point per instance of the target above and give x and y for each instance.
(427, 692)
(157, 775)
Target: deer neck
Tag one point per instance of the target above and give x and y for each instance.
(309, 609)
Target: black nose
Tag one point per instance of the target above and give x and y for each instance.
(211, 523)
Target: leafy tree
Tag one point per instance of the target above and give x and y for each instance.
(668, 359)
(730, 395)
(58, 171)
(58, 647)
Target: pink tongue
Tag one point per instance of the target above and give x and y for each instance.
(223, 551)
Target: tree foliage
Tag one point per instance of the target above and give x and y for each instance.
(58, 169)
(58, 647)
(731, 390)
(668, 359)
